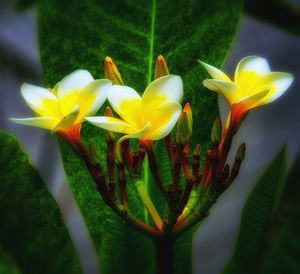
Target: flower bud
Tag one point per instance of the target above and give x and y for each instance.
(216, 133)
(226, 171)
(108, 112)
(196, 160)
(239, 157)
(109, 136)
(94, 156)
(197, 150)
(118, 154)
(240, 154)
(185, 126)
(161, 67)
(111, 71)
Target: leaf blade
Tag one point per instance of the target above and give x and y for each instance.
(256, 216)
(32, 228)
(281, 246)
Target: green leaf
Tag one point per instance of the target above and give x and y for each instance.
(282, 244)
(7, 265)
(256, 216)
(134, 33)
(32, 230)
(164, 168)
(79, 34)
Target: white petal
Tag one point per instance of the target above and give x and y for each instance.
(92, 97)
(99, 89)
(126, 102)
(41, 122)
(74, 81)
(163, 120)
(278, 82)
(228, 89)
(214, 72)
(254, 64)
(166, 88)
(39, 99)
(111, 124)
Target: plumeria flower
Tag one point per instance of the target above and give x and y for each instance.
(150, 117)
(63, 108)
(253, 85)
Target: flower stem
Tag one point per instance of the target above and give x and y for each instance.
(164, 253)
(148, 203)
(153, 166)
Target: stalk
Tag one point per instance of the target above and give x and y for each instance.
(165, 255)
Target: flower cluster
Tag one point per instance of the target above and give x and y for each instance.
(77, 97)
(151, 117)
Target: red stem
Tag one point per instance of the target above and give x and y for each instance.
(169, 146)
(122, 186)
(153, 166)
(177, 166)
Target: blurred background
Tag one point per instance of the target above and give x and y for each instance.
(264, 131)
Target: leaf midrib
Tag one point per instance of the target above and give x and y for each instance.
(151, 40)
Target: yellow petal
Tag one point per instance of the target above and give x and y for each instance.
(229, 89)
(68, 121)
(163, 120)
(69, 87)
(112, 124)
(252, 101)
(165, 89)
(136, 135)
(92, 97)
(214, 72)
(40, 100)
(249, 70)
(41, 122)
(245, 104)
(127, 103)
(68, 102)
(278, 83)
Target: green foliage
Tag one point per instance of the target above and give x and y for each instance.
(79, 34)
(7, 265)
(32, 229)
(282, 246)
(164, 168)
(256, 216)
(25, 4)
